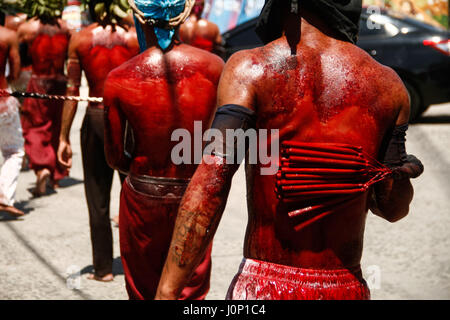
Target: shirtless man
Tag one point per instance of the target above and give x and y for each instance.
(20, 84)
(13, 22)
(199, 32)
(11, 140)
(47, 39)
(97, 50)
(168, 86)
(327, 97)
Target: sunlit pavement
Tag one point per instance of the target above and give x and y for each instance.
(47, 254)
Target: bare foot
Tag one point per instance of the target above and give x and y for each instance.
(11, 210)
(41, 182)
(106, 278)
(115, 219)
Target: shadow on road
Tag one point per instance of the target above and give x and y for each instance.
(117, 268)
(68, 182)
(48, 192)
(21, 205)
(48, 264)
(63, 183)
(6, 217)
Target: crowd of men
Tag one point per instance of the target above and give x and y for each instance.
(158, 68)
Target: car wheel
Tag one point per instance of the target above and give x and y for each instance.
(416, 103)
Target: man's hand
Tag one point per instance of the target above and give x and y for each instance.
(65, 154)
(410, 169)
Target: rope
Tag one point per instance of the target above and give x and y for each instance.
(171, 24)
(34, 95)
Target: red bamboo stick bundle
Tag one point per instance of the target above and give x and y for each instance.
(327, 161)
(286, 182)
(322, 171)
(323, 193)
(319, 207)
(339, 148)
(313, 187)
(320, 154)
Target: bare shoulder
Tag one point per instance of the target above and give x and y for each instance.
(27, 30)
(131, 38)
(214, 62)
(245, 65)
(390, 84)
(130, 68)
(64, 27)
(386, 81)
(7, 35)
(77, 36)
(197, 60)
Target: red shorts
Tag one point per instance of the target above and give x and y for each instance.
(260, 280)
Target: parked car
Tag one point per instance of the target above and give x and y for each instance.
(418, 52)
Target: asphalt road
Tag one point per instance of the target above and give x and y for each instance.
(47, 254)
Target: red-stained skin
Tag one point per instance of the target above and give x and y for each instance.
(329, 91)
(199, 32)
(96, 50)
(157, 93)
(100, 50)
(13, 22)
(47, 46)
(9, 50)
(317, 89)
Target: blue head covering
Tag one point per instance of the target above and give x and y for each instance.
(162, 10)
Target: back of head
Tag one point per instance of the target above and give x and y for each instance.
(9, 7)
(46, 11)
(341, 16)
(108, 12)
(163, 16)
(197, 10)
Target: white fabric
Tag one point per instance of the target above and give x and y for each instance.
(11, 146)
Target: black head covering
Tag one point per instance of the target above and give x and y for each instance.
(341, 15)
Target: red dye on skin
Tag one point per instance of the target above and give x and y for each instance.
(100, 50)
(159, 94)
(41, 119)
(49, 54)
(330, 101)
(4, 47)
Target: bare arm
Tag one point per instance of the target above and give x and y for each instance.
(391, 198)
(64, 153)
(204, 201)
(218, 37)
(115, 128)
(14, 58)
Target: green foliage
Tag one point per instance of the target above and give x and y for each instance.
(11, 7)
(107, 11)
(443, 19)
(48, 11)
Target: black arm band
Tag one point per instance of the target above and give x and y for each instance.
(235, 124)
(402, 164)
(396, 151)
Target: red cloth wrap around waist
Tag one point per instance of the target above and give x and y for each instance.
(41, 123)
(203, 43)
(261, 280)
(148, 209)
